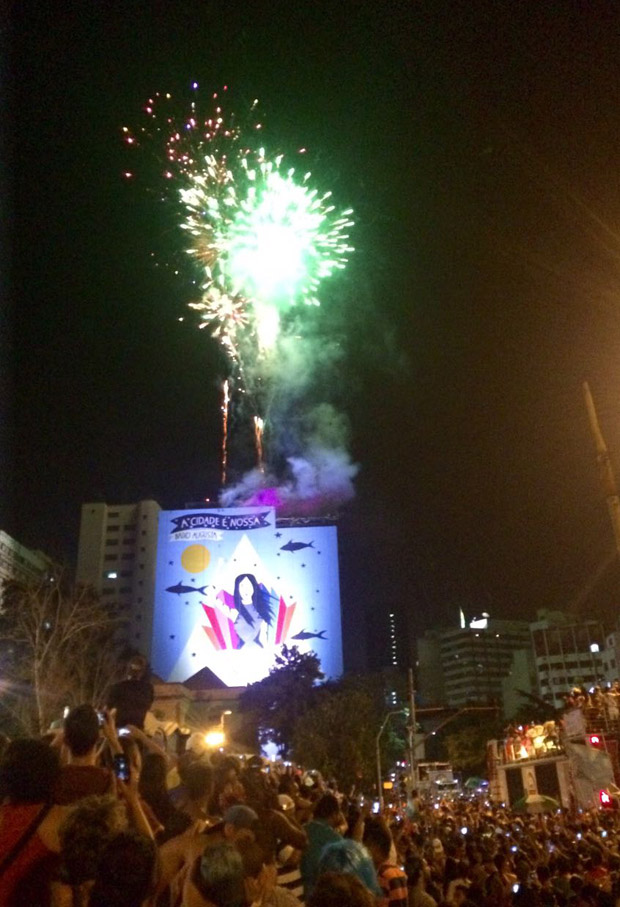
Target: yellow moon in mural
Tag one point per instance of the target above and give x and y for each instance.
(195, 558)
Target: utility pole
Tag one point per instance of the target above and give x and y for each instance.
(378, 755)
(608, 480)
(412, 729)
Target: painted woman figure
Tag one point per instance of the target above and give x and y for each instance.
(254, 614)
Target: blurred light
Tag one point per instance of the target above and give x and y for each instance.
(214, 738)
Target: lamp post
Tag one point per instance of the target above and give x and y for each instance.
(227, 712)
(378, 752)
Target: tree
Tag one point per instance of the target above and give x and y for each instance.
(465, 744)
(338, 734)
(58, 647)
(274, 705)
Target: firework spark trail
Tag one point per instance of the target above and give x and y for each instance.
(262, 240)
(225, 404)
(259, 427)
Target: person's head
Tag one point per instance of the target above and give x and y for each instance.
(327, 809)
(415, 869)
(127, 871)
(240, 822)
(216, 877)
(352, 857)
(247, 591)
(459, 894)
(199, 782)
(81, 730)
(377, 839)
(340, 889)
(136, 668)
(28, 771)
(195, 746)
(85, 831)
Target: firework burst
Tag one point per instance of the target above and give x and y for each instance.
(261, 238)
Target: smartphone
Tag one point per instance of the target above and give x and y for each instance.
(515, 888)
(121, 766)
(376, 806)
(123, 732)
(101, 717)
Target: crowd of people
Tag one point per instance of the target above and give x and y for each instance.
(99, 814)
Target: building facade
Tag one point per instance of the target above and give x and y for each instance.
(117, 555)
(566, 653)
(20, 563)
(470, 661)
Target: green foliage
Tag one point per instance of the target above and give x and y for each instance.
(331, 727)
(338, 735)
(466, 751)
(273, 706)
(464, 744)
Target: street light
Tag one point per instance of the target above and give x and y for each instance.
(215, 738)
(378, 751)
(227, 712)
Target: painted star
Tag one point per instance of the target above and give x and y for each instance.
(278, 535)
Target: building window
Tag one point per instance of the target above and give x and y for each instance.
(109, 557)
(114, 513)
(111, 542)
(129, 556)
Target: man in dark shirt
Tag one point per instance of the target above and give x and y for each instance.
(132, 697)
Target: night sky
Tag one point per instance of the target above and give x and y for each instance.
(479, 147)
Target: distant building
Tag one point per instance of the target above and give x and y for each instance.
(117, 555)
(566, 653)
(20, 563)
(520, 679)
(467, 664)
(611, 656)
(429, 670)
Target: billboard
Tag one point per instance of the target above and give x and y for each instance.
(232, 588)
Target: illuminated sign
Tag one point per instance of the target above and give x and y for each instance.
(232, 588)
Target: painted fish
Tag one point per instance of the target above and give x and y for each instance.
(305, 635)
(180, 589)
(296, 546)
